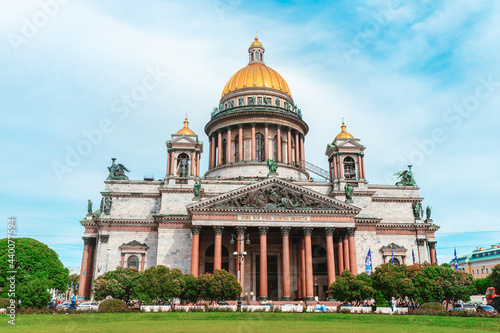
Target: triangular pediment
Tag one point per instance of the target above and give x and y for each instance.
(274, 195)
(184, 139)
(349, 144)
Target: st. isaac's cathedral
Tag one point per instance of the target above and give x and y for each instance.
(259, 197)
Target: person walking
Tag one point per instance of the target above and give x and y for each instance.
(393, 305)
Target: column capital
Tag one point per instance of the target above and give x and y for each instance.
(285, 231)
(196, 229)
(432, 244)
(420, 242)
(89, 240)
(103, 238)
(218, 229)
(307, 231)
(266, 125)
(329, 231)
(278, 126)
(240, 125)
(350, 231)
(263, 230)
(240, 230)
(253, 125)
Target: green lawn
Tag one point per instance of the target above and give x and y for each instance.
(247, 322)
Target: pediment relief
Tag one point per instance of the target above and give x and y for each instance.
(183, 139)
(349, 144)
(274, 195)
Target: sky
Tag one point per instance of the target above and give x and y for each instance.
(418, 82)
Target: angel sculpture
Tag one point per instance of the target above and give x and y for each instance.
(406, 177)
(117, 171)
(272, 165)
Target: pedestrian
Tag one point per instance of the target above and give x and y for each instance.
(321, 307)
(393, 305)
(73, 303)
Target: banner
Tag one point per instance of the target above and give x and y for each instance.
(368, 262)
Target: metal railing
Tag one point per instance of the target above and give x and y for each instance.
(314, 169)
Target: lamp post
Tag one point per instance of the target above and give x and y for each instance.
(240, 256)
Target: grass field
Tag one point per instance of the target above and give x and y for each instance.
(246, 322)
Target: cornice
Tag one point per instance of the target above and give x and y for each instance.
(396, 199)
(356, 193)
(131, 194)
(110, 222)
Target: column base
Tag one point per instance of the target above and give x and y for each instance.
(263, 298)
(286, 299)
(309, 299)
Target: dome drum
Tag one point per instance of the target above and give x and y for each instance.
(254, 171)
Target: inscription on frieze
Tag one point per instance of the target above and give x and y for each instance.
(272, 218)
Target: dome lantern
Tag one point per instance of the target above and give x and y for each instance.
(344, 134)
(185, 129)
(256, 52)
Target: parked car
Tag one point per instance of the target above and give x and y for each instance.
(52, 305)
(63, 306)
(87, 306)
(463, 307)
(486, 309)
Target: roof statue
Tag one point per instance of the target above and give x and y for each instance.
(406, 178)
(349, 190)
(117, 171)
(89, 207)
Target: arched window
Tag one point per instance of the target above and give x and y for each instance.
(133, 262)
(183, 165)
(349, 168)
(275, 148)
(252, 55)
(396, 262)
(259, 147)
(292, 158)
(224, 151)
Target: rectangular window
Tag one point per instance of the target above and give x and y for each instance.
(259, 100)
(486, 270)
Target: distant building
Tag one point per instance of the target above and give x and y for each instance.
(479, 262)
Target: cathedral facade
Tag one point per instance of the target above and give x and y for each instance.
(259, 211)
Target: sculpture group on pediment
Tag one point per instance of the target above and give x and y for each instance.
(117, 171)
(106, 205)
(405, 177)
(274, 197)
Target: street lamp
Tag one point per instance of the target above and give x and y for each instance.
(240, 256)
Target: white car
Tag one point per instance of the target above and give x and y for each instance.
(88, 306)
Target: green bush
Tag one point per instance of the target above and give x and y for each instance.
(433, 306)
(32, 310)
(4, 303)
(113, 305)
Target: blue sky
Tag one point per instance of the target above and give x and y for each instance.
(418, 82)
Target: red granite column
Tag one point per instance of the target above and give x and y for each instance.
(362, 166)
(432, 251)
(263, 263)
(266, 141)
(240, 231)
(219, 148)
(90, 267)
(335, 167)
(193, 162)
(122, 263)
(302, 149)
(198, 164)
(287, 295)
(289, 146)
(84, 270)
(253, 143)
(341, 167)
(297, 148)
(218, 247)
(340, 255)
(172, 165)
(211, 153)
(352, 251)
(309, 265)
(143, 260)
(195, 250)
(240, 144)
(303, 271)
(168, 162)
(228, 149)
(347, 262)
(330, 257)
(278, 144)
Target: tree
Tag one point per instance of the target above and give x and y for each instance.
(482, 284)
(218, 286)
(391, 281)
(495, 278)
(160, 284)
(74, 279)
(32, 261)
(34, 293)
(351, 288)
(119, 284)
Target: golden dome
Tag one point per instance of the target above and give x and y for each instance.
(344, 134)
(185, 129)
(256, 75)
(256, 43)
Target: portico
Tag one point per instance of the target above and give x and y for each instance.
(301, 236)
